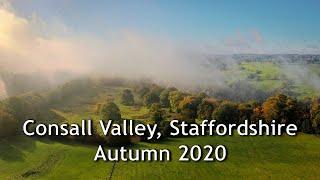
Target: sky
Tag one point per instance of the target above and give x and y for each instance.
(226, 26)
(171, 41)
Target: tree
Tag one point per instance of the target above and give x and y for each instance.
(156, 113)
(305, 124)
(8, 125)
(19, 108)
(127, 97)
(202, 96)
(97, 108)
(164, 98)
(206, 108)
(245, 111)
(227, 113)
(156, 89)
(110, 111)
(174, 98)
(172, 89)
(281, 108)
(150, 98)
(257, 114)
(188, 108)
(142, 91)
(316, 123)
(315, 115)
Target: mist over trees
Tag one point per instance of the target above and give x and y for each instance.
(36, 84)
(240, 91)
(151, 98)
(127, 97)
(164, 98)
(163, 103)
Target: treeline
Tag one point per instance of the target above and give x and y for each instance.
(39, 106)
(164, 104)
(15, 110)
(279, 58)
(170, 103)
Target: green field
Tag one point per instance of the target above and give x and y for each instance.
(254, 157)
(270, 76)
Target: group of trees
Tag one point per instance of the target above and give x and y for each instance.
(171, 103)
(281, 108)
(189, 107)
(148, 95)
(15, 110)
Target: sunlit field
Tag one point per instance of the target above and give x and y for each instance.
(259, 157)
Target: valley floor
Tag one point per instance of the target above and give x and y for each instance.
(248, 157)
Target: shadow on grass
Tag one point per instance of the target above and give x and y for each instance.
(62, 140)
(165, 141)
(11, 149)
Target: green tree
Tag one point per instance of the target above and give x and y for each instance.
(202, 96)
(188, 108)
(150, 98)
(206, 108)
(156, 113)
(227, 113)
(164, 98)
(127, 97)
(174, 98)
(156, 89)
(172, 89)
(142, 91)
(110, 111)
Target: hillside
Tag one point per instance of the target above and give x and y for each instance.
(294, 79)
(259, 157)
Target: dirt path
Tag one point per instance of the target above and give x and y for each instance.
(112, 170)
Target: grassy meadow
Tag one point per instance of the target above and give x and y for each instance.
(255, 157)
(248, 157)
(270, 76)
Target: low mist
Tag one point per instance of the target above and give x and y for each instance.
(26, 49)
(54, 53)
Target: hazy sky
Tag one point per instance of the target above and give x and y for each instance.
(164, 40)
(268, 25)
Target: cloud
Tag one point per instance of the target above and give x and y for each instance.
(34, 45)
(30, 45)
(23, 49)
(251, 42)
